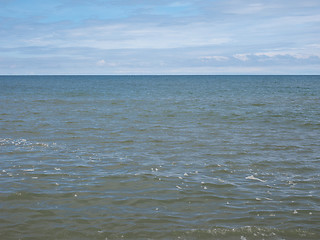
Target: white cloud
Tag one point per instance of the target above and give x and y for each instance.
(153, 36)
(315, 45)
(242, 56)
(249, 9)
(131, 35)
(216, 58)
(295, 53)
(101, 63)
(292, 20)
(304, 52)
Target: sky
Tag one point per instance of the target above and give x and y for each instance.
(159, 37)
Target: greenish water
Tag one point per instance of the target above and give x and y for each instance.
(160, 157)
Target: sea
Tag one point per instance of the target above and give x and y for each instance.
(160, 157)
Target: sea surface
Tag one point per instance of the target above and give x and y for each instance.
(160, 157)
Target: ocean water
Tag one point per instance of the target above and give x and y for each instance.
(160, 157)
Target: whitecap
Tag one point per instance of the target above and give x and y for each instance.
(29, 170)
(42, 144)
(254, 178)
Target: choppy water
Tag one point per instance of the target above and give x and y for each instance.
(160, 157)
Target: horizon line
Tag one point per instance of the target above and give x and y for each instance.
(6, 75)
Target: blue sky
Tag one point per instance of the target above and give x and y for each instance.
(159, 37)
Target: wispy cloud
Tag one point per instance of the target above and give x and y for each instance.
(101, 62)
(215, 58)
(242, 56)
(141, 36)
(251, 8)
(129, 35)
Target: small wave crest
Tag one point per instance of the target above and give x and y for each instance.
(21, 142)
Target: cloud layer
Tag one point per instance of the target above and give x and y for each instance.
(159, 37)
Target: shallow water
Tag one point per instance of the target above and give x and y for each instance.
(160, 157)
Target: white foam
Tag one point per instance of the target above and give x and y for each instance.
(254, 178)
(42, 144)
(29, 170)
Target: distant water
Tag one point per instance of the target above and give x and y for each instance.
(160, 157)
